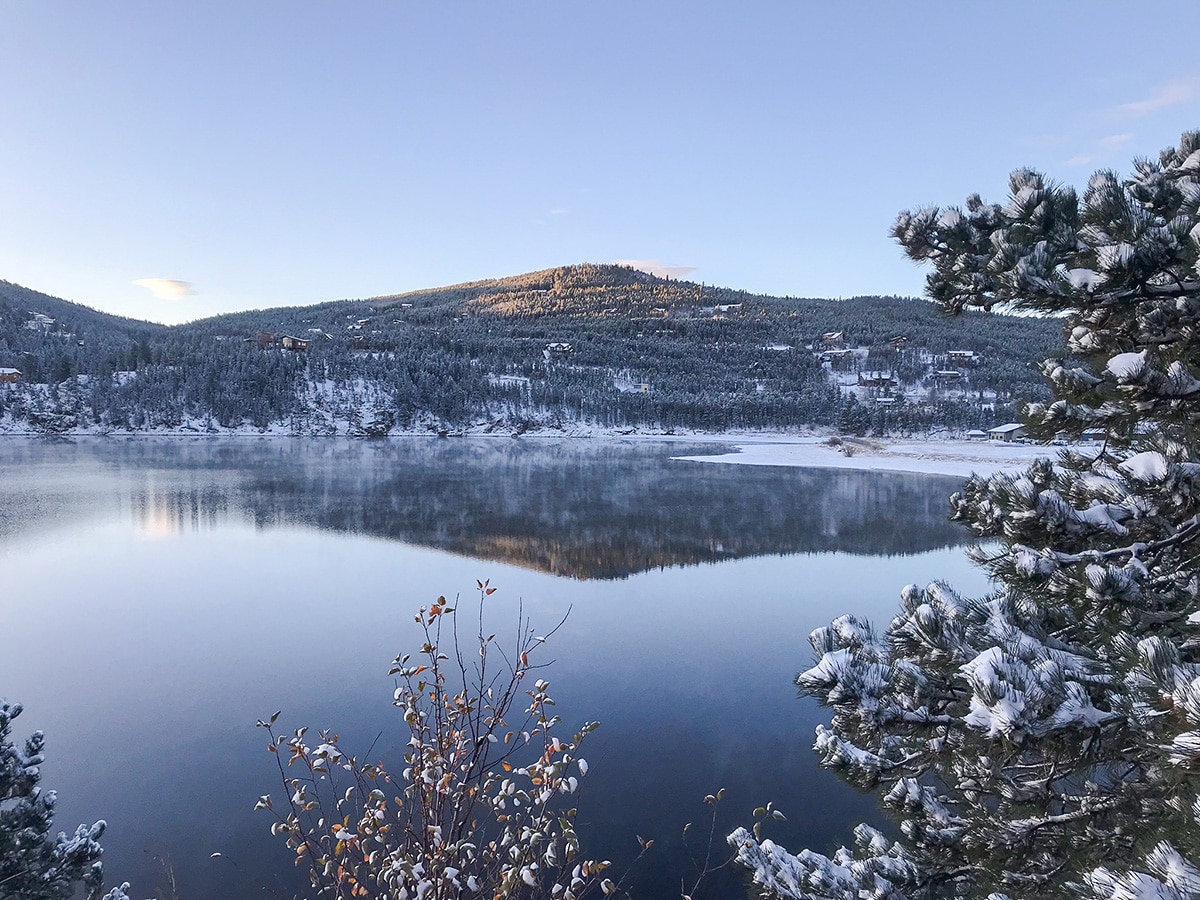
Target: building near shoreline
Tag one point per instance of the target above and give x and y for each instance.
(1011, 432)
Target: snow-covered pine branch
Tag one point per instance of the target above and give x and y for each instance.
(1040, 740)
(34, 864)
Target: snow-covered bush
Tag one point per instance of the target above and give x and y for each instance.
(1045, 740)
(482, 805)
(34, 865)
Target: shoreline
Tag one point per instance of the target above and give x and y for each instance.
(930, 456)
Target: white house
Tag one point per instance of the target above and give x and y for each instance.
(1010, 432)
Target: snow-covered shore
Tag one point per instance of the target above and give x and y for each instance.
(938, 457)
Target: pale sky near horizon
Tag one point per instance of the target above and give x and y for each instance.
(170, 161)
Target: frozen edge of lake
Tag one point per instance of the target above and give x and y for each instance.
(949, 457)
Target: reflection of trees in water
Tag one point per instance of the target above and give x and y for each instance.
(570, 507)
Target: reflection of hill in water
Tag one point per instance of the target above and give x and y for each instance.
(577, 508)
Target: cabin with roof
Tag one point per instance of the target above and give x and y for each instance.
(876, 380)
(1013, 431)
(299, 345)
(9, 376)
(832, 355)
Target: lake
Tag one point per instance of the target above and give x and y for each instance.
(161, 595)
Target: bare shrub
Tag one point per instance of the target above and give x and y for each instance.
(480, 807)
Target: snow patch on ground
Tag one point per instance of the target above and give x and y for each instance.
(950, 457)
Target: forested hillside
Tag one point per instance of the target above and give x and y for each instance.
(568, 348)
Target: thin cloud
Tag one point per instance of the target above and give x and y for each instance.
(654, 267)
(1102, 148)
(1171, 94)
(166, 288)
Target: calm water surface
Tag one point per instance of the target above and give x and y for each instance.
(161, 595)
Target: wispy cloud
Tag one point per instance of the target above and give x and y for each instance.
(1102, 149)
(166, 288)
(1171, 94)
(655, 267)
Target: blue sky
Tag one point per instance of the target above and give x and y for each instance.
(175, 160)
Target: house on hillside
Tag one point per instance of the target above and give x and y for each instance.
(1011, 432)
(558, 348)
(833, 338)
(876, 380)
(947, 376)
(287, 342)
(898, 341)
(40, 322)
(962, 357)
(265, 338)
(835, 355)
(9, 376)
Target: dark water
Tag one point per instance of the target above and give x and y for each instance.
(158, 596)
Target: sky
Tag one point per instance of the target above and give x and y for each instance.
(171, 161)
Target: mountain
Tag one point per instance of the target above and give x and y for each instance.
(573, 347)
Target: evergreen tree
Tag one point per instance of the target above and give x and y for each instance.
(33, 864)
(1044, 740)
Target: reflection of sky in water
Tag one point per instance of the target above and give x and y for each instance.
(147, 635)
